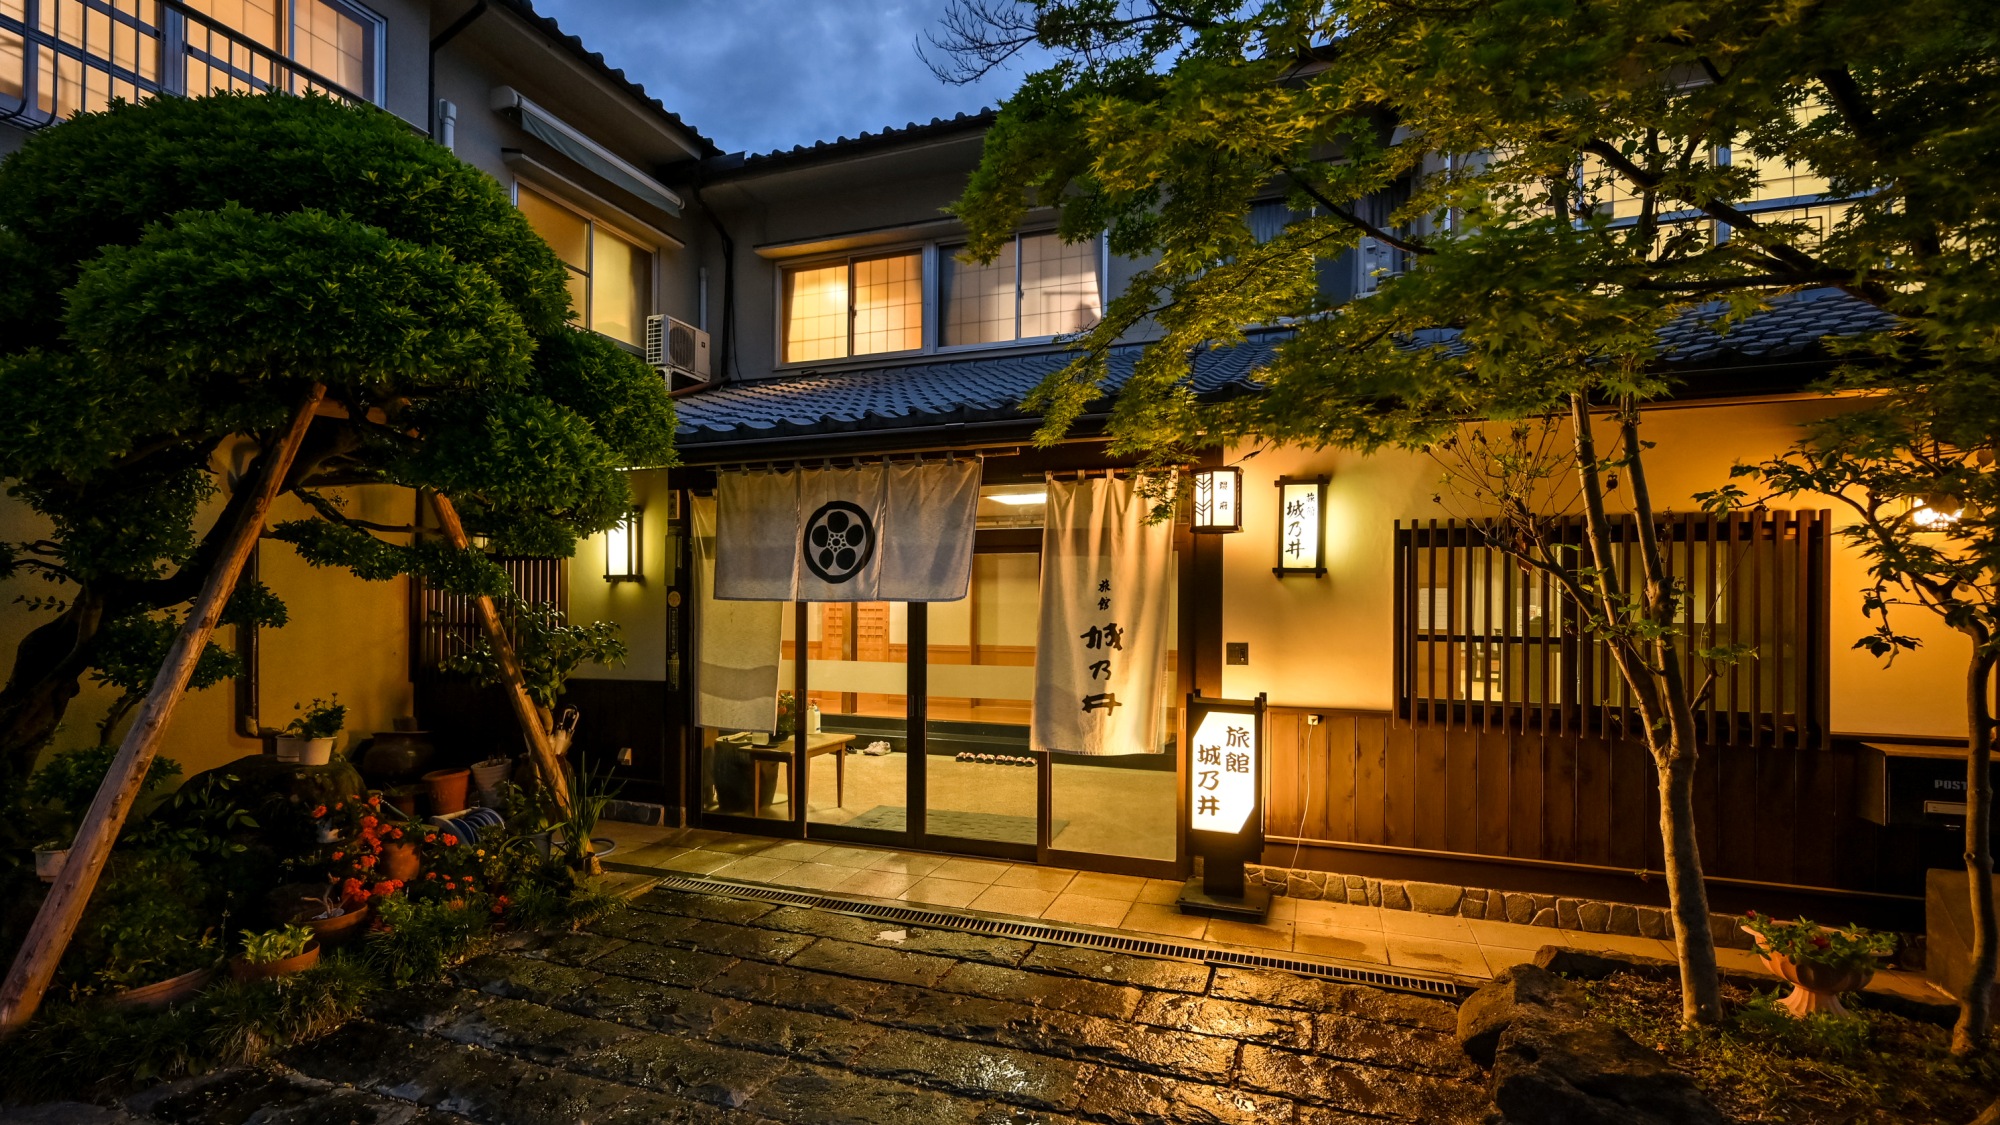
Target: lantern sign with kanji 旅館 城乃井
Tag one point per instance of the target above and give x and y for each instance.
(1223, 772)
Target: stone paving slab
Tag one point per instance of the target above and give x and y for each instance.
(702, 1009)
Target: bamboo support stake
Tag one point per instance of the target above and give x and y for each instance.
(541, 743)
(35, 965)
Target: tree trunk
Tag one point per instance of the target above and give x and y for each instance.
(48, 673)
(1652, 672)
(55, 922)
(1974, 1008)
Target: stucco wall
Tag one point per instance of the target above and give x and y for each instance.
(1329, 641)
(640, 608)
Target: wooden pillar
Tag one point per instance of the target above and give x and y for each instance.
(35, 965)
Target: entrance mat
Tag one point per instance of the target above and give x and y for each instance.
(963, 825)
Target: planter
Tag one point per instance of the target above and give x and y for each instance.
(488, 775)
(543, 842)
(49, 863)
(240, 969)
(446, 789)
(304, 751)
(332, 933)
(403, 798)
(397, 755)
(399, 861)
(161, 993)
(1816, 988)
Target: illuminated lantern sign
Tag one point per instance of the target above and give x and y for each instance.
(1218, 501)
(1301, 526)
(1225, 779)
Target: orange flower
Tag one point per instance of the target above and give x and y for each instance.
(319, 812)
(450, 841)
(367, 861)
(339, 855)
(369, 822)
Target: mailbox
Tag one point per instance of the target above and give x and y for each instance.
(1903, 783)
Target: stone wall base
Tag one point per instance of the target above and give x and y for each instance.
(1553, 911)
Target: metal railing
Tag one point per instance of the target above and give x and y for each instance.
(61, 57)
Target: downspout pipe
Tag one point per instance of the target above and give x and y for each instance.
(437, 44)
(728, 334)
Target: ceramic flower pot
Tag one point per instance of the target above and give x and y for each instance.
(332, 933)
(399, 860)
(239, 969)
(1815, 988)
(446, 789)
(161, 993)
(304, 751)
(49, 863)
(488, 775)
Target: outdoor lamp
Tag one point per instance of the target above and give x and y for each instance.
(1935, 511)
(621, 549)
(1218, 501)
(1301, 526)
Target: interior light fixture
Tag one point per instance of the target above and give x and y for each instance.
(1934, 511)
(621, 549)
(1019, 499)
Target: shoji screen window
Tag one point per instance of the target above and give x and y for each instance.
(859, 306)
(1036, 287)
(610, 276)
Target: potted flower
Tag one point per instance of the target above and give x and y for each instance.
(335, 919)
(308, 739)
(1821, 963)
(275, 953)
(49, 859)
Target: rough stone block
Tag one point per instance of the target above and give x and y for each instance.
(1374, 893)
(1593, 917)
(1566, 914)
(1544, 902)
(1624, 919)
(1474, 904)
(1357, 889)
(1653, 923)
(1433, 898)
(1586, 964)
(1727, 930)
(1297, 885)
(1395, 896)
(1520, 908)
(1336, 889)
(1549, 1069)
(1489, 1011)
(1544, 917)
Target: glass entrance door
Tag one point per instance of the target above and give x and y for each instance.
(983, 785)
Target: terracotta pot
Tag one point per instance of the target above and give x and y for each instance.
(399, 861)
(332, 933)
(1815, 988)
(403, 799)
(305, 751)
(239, 969)
(161, 993)
(447, 790)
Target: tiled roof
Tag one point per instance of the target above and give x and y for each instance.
(744, 163)
(990, 389)
(555, 34)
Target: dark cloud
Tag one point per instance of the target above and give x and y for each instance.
(758, 75)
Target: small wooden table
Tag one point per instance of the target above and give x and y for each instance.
(770, 757)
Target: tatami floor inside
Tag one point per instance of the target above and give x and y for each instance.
(1365, 935)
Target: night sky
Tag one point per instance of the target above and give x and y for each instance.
(757, 75)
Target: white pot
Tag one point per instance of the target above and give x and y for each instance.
(760, 738)
(305, 751)
(488, 775)
(49, 863)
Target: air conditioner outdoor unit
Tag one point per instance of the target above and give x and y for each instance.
(677, 348)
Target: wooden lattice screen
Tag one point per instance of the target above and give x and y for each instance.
(444, 625)
(1482, 641)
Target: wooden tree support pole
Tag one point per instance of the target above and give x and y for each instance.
(540, 740)
(35, 964)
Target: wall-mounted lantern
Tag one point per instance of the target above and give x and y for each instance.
(1935, 511)
(1301, 526)
(621, 549)
(1218, 501)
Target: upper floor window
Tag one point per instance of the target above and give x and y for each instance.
(610, 276)
(855, 306)
(60, 57)
(1039, 286)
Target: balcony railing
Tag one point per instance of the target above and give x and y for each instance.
(60, 57)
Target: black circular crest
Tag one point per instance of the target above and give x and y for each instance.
(840, 539)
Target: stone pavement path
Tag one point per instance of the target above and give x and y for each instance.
(698, 1008)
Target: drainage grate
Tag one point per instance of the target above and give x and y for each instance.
(1058, 935)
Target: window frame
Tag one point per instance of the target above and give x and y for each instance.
(651, 247)
(931, 251)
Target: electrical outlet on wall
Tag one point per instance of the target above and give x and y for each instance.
(1236, 652)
